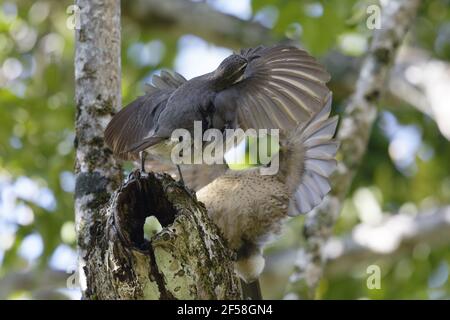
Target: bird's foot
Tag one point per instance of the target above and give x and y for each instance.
(135, 174)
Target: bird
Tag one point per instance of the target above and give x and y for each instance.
(249, 208)
(264, 87)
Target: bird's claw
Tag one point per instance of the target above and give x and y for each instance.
(132, 175)
(135, 175)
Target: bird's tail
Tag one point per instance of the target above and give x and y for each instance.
(307, 159)
(252, 290)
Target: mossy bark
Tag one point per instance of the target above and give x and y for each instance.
(186, 260)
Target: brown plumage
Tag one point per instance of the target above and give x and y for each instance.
(249, 208)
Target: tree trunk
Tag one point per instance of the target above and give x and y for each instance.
(97, 94)
(187, 259)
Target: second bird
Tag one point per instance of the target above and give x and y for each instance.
(249, 208)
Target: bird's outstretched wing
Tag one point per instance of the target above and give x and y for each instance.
(282, 87)
(131, 125)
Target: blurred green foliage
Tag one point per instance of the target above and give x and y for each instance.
(37, 116)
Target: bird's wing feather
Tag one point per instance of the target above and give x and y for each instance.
(169, 80)
(144, 144)
(319, 149)
(282, 87)
(132, 125)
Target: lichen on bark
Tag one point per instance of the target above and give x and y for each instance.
(186, 260)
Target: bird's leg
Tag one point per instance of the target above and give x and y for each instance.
(142, 156)
(181, 184)
(181, 176)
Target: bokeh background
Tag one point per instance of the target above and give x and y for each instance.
(405, 174)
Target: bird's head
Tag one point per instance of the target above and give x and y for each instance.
(231, 70)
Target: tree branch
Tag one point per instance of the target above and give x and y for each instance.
(397, 234)
(180, 17)
(424, 83)
(48, 280)
(416, 79)
(354, 132)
